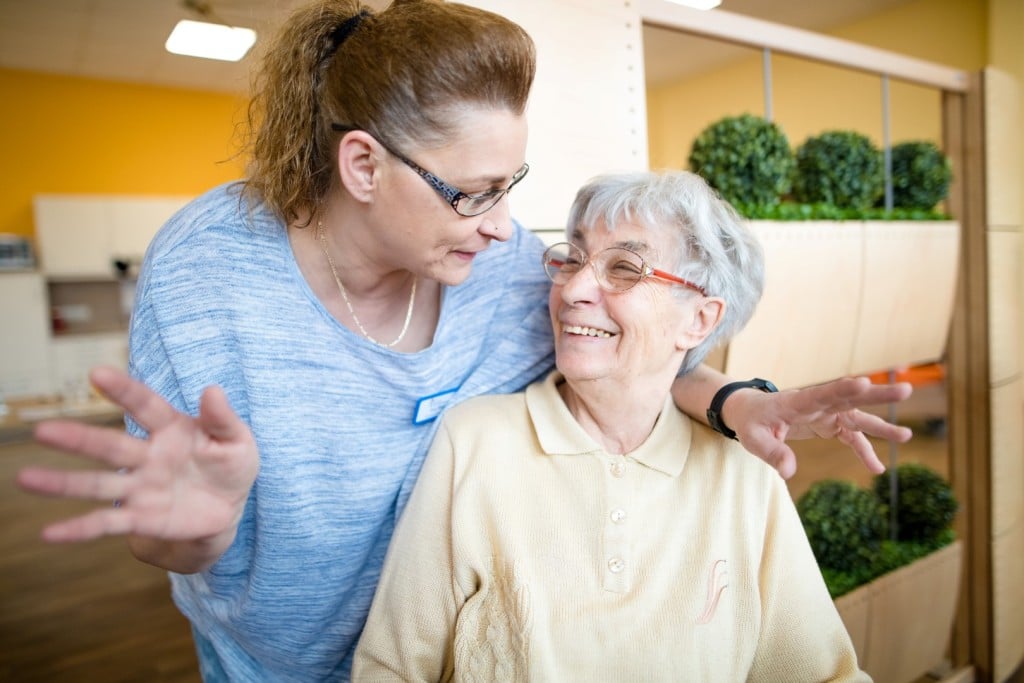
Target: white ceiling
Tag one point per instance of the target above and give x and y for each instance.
(123, 39)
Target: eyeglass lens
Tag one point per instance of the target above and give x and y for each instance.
(616, 269)
(476, 204)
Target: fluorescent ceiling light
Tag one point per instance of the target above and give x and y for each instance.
(699, 4)
(210, 41)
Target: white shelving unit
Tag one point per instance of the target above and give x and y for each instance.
(70, 315)
(25, 337)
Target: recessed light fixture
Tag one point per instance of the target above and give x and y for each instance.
(699, 4)
(210, 41)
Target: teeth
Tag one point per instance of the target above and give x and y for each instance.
(588, 331)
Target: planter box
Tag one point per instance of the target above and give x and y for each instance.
(900, 623)
(847, 298)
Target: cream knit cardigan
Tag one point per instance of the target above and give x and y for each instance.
(527, 553)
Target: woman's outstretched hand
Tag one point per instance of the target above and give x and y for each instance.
(188, 482)
(764, 422)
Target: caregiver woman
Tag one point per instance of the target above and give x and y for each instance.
(296, 334)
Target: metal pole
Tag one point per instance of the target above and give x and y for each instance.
(894, 482)
(886, 142)
(766, 64)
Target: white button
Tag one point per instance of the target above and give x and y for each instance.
(618, 469)
(618, 515)
(616, 565)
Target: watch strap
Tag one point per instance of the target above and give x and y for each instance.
(715, 410)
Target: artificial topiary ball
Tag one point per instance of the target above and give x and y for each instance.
(845, 524)
(925, 504)
(746, 158)
(921, 174)
(841, 168)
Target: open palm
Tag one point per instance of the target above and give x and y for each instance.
(188, 481)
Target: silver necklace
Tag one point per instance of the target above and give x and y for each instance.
(344, 295)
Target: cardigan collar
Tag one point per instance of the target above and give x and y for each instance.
(558, 432)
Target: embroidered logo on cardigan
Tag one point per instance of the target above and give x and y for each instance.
(718, 580)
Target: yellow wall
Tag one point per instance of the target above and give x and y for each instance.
(62, 134)
(810, 98)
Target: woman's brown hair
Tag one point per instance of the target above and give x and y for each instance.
(401, 75)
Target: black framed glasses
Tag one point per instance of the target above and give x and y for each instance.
(616, 269)
(464, 204)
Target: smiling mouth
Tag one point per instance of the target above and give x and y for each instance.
(587, 331)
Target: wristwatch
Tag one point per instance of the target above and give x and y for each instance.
(715, 411)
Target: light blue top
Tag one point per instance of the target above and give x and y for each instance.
(342, 424)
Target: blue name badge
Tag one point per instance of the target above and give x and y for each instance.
(429, 407)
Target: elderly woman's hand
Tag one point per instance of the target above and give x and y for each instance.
(188, 482)
(764, 421)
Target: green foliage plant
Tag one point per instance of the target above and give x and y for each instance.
(794, 211)
(921, 174)
(925, 503)
(746, 158)
(838, 517)
(845, 524)
(841, 168)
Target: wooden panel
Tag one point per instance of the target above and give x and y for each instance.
(859, 297)
(1007, 461)
(1003, 167)
(900, 600)
(968, 378)
(1004, 287)
(910, 271)
(1008, 586)
(804, 328)
(1006, 149)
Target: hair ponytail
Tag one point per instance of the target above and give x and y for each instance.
(401, 75)
(288, 167)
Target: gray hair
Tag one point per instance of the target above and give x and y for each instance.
(714, 247)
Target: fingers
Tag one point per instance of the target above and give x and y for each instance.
(875, 394)
(863, 449)
(104, 444)
(218, 419)
(784, 461)
(773, 451)
(103, 522)
(850, 392)
(147, 407)
(875, 426)
(87, 485)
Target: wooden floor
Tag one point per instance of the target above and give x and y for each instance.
(92, 613)
(84, 612)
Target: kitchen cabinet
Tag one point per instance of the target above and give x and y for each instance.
(80, 236)
(24, 335)
(71, 315)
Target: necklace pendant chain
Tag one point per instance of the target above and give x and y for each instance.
(344, 295)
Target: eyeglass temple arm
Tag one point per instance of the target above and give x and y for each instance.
(678, 280)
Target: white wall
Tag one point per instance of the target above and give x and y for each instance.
(587, 113)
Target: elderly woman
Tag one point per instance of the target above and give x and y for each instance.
(586, 529)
